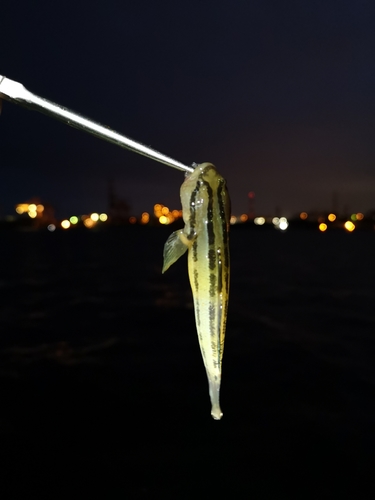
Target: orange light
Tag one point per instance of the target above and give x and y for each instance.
(88, 222)
(132, 220)
(244, 217)
(165, 210)
(303, 215)
(39, 208)
(331, 217)
(145, 218)
(322, 227)
(22, 208)
(360, 216)
(175, 213)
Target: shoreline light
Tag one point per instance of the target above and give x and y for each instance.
(349, 226)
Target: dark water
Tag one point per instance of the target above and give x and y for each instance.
(103, 391)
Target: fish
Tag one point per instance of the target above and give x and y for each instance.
(206, 214)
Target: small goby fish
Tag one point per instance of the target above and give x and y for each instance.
(206, 213)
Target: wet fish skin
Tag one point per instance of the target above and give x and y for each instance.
(206, 213)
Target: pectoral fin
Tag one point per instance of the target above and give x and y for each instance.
(173, 249)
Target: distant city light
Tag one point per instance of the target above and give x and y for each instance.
(163, 220)
(175, 213)
(275, 221)
(88, 222)
(349, 226)
(132, 220)
(32, 207)
(353, 217)
(32, 213)
(94, 217)
(22, 208)
(65, 224)
(51, 227)
(360, 216)
(303, 215)
(251, 194)
(331, 217)
(39, 208)
(244, 217)
(165, 210)
(282, 223)
(233, 219)
(103, 217)
(259, 221)
(322, 227)
(145, 218)
(73, 219)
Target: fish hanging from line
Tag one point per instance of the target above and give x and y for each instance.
(206, 213)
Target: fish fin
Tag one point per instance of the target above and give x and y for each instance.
(173, 249)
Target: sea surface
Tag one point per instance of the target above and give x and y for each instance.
(103, 393)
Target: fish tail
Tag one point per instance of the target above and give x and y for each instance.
(214, 388)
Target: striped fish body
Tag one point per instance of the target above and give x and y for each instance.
(206, 213)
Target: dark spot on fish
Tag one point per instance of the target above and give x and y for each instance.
(210, 214)
(195, 251)
(212, 285)
(196, 284)
(212, 259)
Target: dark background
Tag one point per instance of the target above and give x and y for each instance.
(103, 389)
(278, 95)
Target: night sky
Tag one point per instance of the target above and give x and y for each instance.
(280, 96)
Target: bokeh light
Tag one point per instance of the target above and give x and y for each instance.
(88, 222)
(349, 226)
(259, 221)
(65, 224)
(73, 219)
(51, 227)
(331, 217)
(103, 217)
(322, 227)
(94, 217)
(360, 216)
(303, 215)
